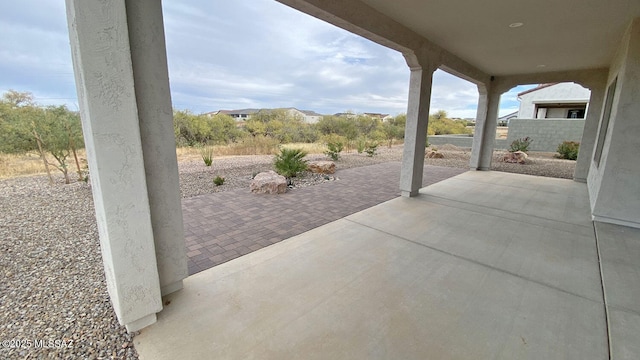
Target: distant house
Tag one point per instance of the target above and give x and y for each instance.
(242, 115)
(377, 115)
(310, 117)
(346, 114)
(239, 115)
(504, 120)
(371, 115)
(554, 101)
(550, 114)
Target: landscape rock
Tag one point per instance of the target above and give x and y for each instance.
(322, 167)
(517, 157)
(268, 182)
(434, 155)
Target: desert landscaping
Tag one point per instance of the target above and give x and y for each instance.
(53, 284)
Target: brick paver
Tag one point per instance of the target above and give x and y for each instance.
(223, 226)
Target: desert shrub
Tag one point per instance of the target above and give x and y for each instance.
(521, 144)
(338, 125)
(440, 124)
(334, 150)
(290, 162)
(191, 129)
(361, 143)
(218, 180)
(207, 155)
(371, 149)
(335, 145)
(568, 150)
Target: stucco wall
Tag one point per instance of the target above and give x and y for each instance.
(614, 189)
(559, 93)
(546, 134)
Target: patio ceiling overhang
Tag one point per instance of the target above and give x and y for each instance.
(476, 39)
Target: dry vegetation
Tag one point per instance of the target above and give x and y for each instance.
(16, 165)
(541, 164)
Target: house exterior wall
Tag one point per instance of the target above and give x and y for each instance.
(309, 119)
(614, 189)
(559, 93)
(312, 119)
(546, 134)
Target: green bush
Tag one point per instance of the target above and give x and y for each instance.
(440, 124)
(371, 149)
(290, 162)
(207, 155)
(335, 145)
(361, 143)
(521, 144)
(568, 150)
(218, 180)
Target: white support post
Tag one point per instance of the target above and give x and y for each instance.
(155, 113)
(415, 137)
(484, 138)
(126, 118)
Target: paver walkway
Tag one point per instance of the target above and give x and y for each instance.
(223, 226)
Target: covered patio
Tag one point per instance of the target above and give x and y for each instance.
(484, 265)
(479, 266)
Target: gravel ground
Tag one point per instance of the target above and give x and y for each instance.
(53, 297)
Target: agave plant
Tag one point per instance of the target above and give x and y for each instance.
(290, 162)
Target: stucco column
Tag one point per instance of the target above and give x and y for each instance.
(484, 138)
(126, 118)
(415, 135)
(155, 114)
(590, 131)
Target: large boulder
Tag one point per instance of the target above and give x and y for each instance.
(268, 182)
(517, 157)
(434, 154)
(321, 167)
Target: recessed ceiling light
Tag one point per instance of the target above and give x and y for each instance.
(516, 25)
(541, 66)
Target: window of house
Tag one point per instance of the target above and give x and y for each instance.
(604, 122)
(576, 113)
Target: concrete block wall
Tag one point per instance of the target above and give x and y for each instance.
(462, 141)
(546, 134)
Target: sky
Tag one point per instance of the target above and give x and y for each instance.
(236, 54)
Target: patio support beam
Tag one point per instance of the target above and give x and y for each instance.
(155, 113)
(415, 136)
(484, 137)
(119, 62)
(590, 130)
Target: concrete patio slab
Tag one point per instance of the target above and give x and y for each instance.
(530, 196)
(619, 253)
(557, 258)
(396, 281)
(624, 330)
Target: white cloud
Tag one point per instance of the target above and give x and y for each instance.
(233, 54)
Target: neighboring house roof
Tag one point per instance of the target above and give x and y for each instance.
(508, 116)
(541, 86)
(251, 111)
(309, 112)
(376, 115)
(242, 112)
